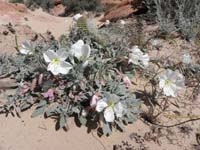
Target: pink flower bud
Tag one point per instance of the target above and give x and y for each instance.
(49, 94)
(127, 81)
(40, 80)
(93, 101)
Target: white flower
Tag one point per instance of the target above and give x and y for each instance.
(27, 48)
(107, 22)
(81, 51)
(186, 58)
(137, 57)
(122, 22)
(77, 17)
(84, 113)
(57, 63)
(171, 81)
(155, 42)
(111, 108)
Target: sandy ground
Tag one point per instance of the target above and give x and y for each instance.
(27, 24)
(38, 20)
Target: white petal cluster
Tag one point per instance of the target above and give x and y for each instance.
(111, 108)
(56, 62)
(171, 81)
(122, 22)
(81, 51)
(186, 58)
(107, 22)
(27, 48)
(77, 17)
(137, 57)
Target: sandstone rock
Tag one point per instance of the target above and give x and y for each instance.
(10, 7)
(120, 9)
(57, 10)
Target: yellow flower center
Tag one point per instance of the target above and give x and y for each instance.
(168, 81)
(56, 60)
(111, 103)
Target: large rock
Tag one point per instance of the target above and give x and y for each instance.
(58, 10)
(11, 7)
(117, 9)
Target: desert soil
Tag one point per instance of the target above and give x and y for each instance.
(27, 24)
(28, 133)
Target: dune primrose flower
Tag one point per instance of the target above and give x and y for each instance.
(171, 81)
(57, 63)
(111, 107)
(81, 51)
(186, 58)
(77, 17)
(107, 22)
(137, 57)
(27, 48)
(122, 22)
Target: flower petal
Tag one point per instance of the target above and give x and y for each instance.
(62, 54)
(64, 67)
(24, 51)
(26, 44)
(186, 58)
(85, 63)
(170, 90)
(85, 51)
(53, 68)
(135, 50)
(76, 49)
(169, 73)
(180, 83)
(134, 59)
(49, 55)
(163, 76)
(118, 109)
(161, 83)
(109, 114)
(77, 17)
(101, 104)
(27, 47)
(145, 60)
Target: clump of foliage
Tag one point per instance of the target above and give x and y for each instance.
(177, 15)
(16, 1)
(80, 5)
(93, 89)
(45, 4)
(73, 6)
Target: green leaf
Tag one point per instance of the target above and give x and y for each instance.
(48, 84)
(40, 109)
(106, 129)
(120, 125)
(42, 103)
(24, 106)
(52, 110)
(82, 120)
(76, 110)
(62, 121)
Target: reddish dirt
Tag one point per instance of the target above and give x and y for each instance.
(26, 24)
(120, 9)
